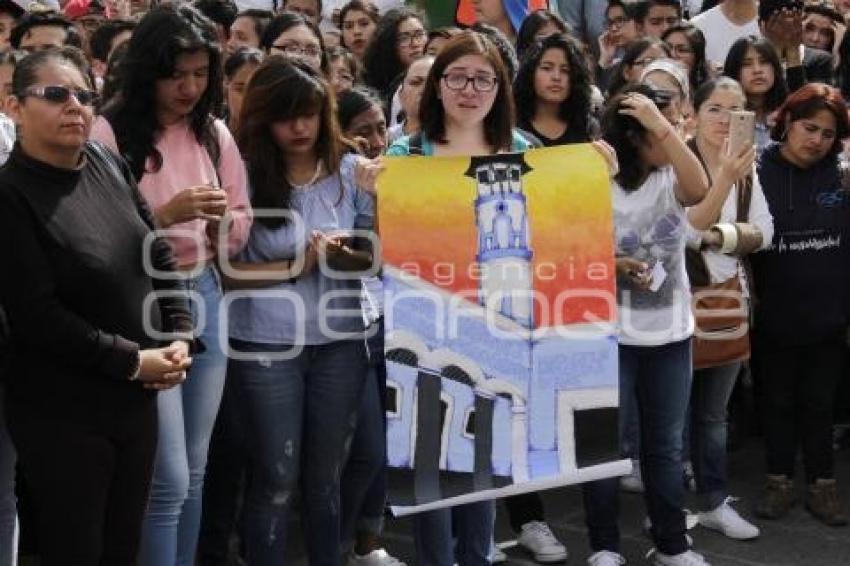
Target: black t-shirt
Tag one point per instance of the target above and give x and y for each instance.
(571, 135)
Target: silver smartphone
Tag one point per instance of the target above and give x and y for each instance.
(742, 130)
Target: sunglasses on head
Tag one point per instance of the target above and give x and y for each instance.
(61, 94)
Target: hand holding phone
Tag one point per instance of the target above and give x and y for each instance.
(742, 131)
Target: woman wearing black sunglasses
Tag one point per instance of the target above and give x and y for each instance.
(85, 321)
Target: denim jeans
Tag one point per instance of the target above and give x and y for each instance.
(224, 484)
(471, 525)
(300, 416)
(364, 487)
(710, 395)
(186, 418)
(8, 515)
(660, 379)
(629, 426)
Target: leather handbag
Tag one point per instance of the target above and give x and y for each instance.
(722, 333)
(721, 312)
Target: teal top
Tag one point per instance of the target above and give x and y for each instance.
(402, 145)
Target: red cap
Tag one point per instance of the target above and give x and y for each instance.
(81, 8)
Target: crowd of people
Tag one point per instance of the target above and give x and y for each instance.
(163, 159)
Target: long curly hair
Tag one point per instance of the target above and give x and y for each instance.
(381, 60)
(575, 110)
(163, 34)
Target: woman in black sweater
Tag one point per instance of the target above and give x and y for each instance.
(95, 323)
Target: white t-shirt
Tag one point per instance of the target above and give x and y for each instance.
(257, 4)
(692, 6)
(720, 33)
(650, 225)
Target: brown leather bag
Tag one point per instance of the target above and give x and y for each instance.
(722, 333)
(721, 312)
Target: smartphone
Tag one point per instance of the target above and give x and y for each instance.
(742, 130)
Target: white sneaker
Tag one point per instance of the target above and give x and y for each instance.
(633, 483)
(725, 519)
(379, 557)
(537, 538)
(606, 558)
(498, 556)
(687, 558)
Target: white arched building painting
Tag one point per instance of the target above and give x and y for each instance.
(479, 399)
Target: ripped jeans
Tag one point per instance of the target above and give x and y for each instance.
(300, 416)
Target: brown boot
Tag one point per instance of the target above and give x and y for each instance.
(822, 502)
(777, 498)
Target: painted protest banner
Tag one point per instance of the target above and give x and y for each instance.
(500, 309)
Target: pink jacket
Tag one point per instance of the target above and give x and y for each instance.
(186, 163)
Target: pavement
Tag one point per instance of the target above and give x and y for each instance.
(796, 540)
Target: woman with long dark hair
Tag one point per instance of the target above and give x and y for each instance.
(801, 282)
(299, 361)
(358, 20)
(687, 45)
(753, 62)
(536, 26)
(552, 93)
(189, 169)
(89, 352)
(398, 40)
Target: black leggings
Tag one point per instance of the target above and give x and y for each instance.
(798, 392)
(87, 479)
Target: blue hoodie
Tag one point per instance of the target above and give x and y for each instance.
(801, 280)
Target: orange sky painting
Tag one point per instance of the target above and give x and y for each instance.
(427, 225)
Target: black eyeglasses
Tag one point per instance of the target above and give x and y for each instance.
(412, 36)
(62, 94)
(617, 22)
(480, 83)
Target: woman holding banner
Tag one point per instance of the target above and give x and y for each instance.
(466, 109)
